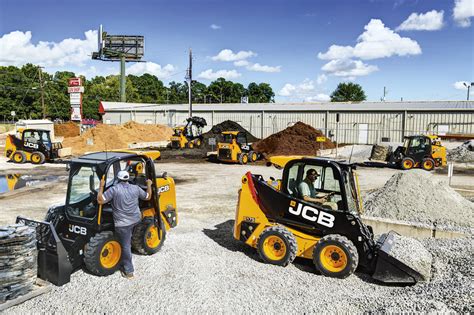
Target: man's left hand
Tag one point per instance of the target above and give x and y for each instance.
(149, 182)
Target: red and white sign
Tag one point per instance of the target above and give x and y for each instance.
(75, 89)
(74, 82)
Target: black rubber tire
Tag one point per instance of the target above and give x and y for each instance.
(93, 250)
(253, 156)
(21, 157)
(288, 239)
(243, 158)
(139, 238)
(428, 164)
(346, 246)
(405, 161)
(41, 156)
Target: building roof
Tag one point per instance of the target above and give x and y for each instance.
(363, 106)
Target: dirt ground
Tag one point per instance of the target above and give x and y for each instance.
(201, 268)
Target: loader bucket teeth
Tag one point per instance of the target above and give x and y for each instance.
(401, 260)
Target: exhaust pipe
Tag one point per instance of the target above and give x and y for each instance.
(401, 260)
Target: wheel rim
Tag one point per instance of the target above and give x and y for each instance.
(198, 143)
(254, 156)
(274, 247)
(245, 159)
(190, 144)
(151, 237)
(17, 157)
(333, 258)
(428, 164)
(110, 254)
(35, 158)
(407, 164)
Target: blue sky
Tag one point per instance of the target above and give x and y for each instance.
(418, 49)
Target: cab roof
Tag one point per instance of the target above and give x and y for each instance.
(280, 161)
(231, 132)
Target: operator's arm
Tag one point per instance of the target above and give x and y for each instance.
(100, 196)
(317, 200)
(141, 194)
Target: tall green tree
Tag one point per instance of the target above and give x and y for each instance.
(348, 92)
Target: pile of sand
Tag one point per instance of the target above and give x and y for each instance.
(416, 196)
(108, 137)
(299, 139)
(67, 130)
(463, 153)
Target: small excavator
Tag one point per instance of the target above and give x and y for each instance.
(190, 135)
(80, 233)
(273, 217)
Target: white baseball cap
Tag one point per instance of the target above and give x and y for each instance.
(123, 175)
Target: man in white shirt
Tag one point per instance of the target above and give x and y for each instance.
(306, 188)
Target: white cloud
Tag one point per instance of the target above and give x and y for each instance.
(241, 63)
(321, 97)
(430, 21)
(209, 74)
(321, 78)
(463, 11)
(229, 55)
(17, 49)
(263, 68)
(215, 27)
(377, 41)
(337, 52)
(287, 90)
(460, 85)
(140, 68)
(304, 91)
(348, 68)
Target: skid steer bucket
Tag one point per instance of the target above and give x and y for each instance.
(53, 262)
(401, 260)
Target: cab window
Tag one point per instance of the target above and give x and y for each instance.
(241, 138)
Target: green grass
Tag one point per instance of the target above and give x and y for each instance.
(6, 127)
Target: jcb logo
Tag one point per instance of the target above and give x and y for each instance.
(77, 229)
(312, 214)
(245, 147)
(163, 189)
(31, 145)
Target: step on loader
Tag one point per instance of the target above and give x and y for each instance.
(273, 217)
(80, 233)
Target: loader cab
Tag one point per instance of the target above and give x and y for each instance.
(36, 140)
(335, 178)
(417, 147)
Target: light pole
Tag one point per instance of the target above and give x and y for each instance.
(468, 88)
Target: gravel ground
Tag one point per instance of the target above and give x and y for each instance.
(201, 268)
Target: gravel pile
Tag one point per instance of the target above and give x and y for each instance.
(404, 249)
(17, 261)
(416, 196)
(463, 153)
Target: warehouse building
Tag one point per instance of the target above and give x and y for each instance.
(364, 123)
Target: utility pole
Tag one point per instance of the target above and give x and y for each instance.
(123, 97)
(189, 78)
(384, 93)
(468, 88)
(42, 92)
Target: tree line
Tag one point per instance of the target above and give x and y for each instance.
(20, 91)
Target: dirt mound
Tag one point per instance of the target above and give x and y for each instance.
(227, 125)
(463, 153)
(66, 130)
(299, 139)
(110, 137)
(416, 196)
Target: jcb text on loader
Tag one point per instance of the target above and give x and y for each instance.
(80, 233)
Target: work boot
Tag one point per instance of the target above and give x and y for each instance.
(126, 275)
